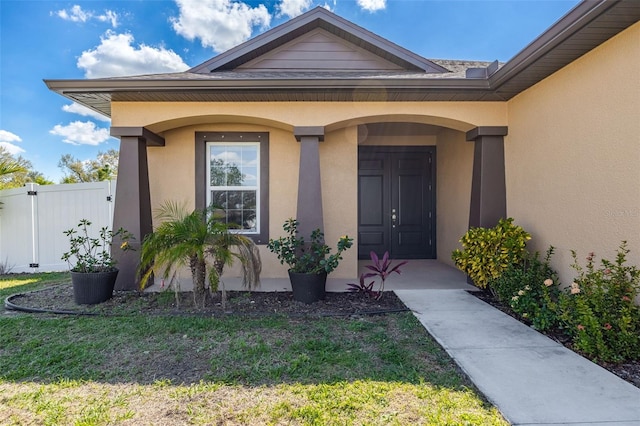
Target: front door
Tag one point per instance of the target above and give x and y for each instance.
(396, 202)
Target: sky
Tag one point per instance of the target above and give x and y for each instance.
(50, 39)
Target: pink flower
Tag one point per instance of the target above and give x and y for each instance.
(548, 282)
(607, 326)
(580, 327)
(626, 298)
(607, 271)
(575, 289)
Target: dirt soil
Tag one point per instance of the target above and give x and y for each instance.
(60, 298)
(629, 371)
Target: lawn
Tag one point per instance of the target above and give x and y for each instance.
(175, 370)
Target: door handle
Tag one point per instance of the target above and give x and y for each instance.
(393, 218)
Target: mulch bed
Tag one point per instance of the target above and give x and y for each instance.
(629, 371)
(60, 299)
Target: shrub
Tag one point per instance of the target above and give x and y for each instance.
(531, 290)
(598, 309)
(381, 268)
(487, 252)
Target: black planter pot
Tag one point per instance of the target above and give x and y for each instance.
(308, 288)
(90, 288)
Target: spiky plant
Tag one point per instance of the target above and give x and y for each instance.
(201, 241)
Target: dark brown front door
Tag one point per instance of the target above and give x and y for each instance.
(396, 202)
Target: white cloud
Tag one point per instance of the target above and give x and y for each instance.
(330, 8)
(219, 24)
(6, 136)
(81, 133)
(109, 16)
(76, 108)
(372, 5)
(6, 139)
(293, 8)
(116, 56)
(77, 14)
(11, 148)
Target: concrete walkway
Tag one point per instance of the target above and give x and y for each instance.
(529, 377)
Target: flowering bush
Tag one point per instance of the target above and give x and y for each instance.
(598, 309)
(531, 290)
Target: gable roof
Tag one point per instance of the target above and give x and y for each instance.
(222, 78)
(318, 17)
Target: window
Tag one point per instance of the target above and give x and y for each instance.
(232, 174)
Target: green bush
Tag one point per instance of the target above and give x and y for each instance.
(487, 252)
(598, 309)
(531, 290)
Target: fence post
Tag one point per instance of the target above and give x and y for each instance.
(33, 193)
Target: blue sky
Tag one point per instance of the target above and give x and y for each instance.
(88, 39)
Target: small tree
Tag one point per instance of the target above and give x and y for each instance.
(103, 167)
(16, 171)
(201, 241)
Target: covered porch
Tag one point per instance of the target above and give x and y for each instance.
(418, 274)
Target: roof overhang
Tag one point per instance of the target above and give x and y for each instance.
(586, 26)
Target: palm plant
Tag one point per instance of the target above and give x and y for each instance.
(202, 242)
(7, 167)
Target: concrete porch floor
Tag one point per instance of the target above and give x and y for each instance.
(418, 274)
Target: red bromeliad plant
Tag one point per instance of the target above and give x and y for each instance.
(381, 268)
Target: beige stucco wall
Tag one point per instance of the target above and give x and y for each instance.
(453, 197)
(161, 116)
(426, 140)
(171, 167)
(573, 155)
(172, 178)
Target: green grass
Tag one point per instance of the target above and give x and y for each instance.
(233, 370)
(20, 283)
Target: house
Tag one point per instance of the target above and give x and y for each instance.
(323, 120)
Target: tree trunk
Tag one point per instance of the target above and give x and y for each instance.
(199, 292)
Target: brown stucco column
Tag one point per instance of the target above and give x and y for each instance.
(488, 188)
(132, 210)
(309, 213)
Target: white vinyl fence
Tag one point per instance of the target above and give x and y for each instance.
(33, 219)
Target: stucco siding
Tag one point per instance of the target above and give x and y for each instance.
(573, 154)
(161, 116)
(426, 140)
(172, 167)
(454, 168)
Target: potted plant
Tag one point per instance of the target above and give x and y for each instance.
(93, 269)
(309, 262)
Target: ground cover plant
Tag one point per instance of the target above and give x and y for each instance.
(184, 369)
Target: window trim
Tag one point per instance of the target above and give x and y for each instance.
(201, 187)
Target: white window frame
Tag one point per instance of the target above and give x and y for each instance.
(210, 188)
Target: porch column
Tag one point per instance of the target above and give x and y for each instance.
(309, 212)
(488, 188)
(132, 210)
